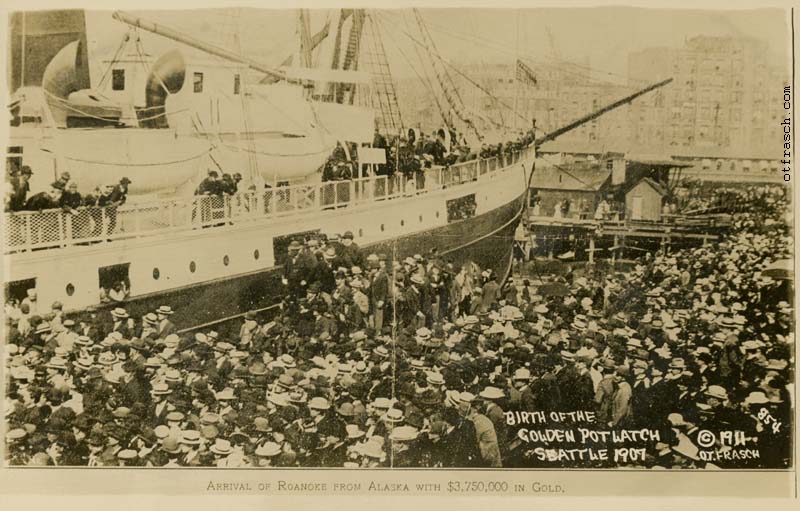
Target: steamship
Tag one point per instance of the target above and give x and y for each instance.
(210, 258)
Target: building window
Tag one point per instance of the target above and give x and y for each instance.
(198, 82)
(237, 84)
(118, 79)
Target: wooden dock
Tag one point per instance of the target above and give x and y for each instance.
(590, 236)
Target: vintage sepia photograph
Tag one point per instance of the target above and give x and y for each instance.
(409, 238)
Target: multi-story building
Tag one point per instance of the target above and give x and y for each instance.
(725, 99)
(725, 94)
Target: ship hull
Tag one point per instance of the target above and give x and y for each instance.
(212, 273)
(485, 239)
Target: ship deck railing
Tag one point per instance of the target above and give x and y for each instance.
(27, 231)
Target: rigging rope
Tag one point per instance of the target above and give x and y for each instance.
(128, 164)
(470, 80)
(425, 83)
(122, 46)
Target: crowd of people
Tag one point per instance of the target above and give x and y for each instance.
(373, 362)
(62, 193)
(411, 155)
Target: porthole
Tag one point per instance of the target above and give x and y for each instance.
(256, 254)
(382, 227)
(361, 233)
(402, 223)
(226, 260)
(420, 218)
(70, 289)
(156, 274)
(192, 267)
(437, 214)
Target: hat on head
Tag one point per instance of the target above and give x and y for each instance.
(119, 312)
(171, 445)
(160, 389)
(261, 424)
(175, 416)
(717, 391)
(83, 340)
(346, 410)
(57, 363)
(268, 449)
(677, 363)
(209, 431)
(107, 358)
(127, 454)
(434, 378)
(278, 399)
(190, 437)
(382, 403)
(394, 415)
(466, 397)
(491, 393)
(756, 398)
(221, 447)
(16, 434)
(403, 434)
(319, 403)
(522, 374)
(353, 431)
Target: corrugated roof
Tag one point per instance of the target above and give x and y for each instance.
(582, 176)
(625, 146)
(658, 187)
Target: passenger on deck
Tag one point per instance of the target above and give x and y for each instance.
(210, 185)
(20, 186)
(44, 200)
(62, 181)
(71, 200)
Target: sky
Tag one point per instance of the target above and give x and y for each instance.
(600, 36)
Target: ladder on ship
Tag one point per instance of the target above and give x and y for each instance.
(384, 93)
(345, 92)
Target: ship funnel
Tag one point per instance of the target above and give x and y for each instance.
(66, 73)
(166, 77)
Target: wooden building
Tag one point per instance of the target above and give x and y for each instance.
(644, 200)
(579, 185)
